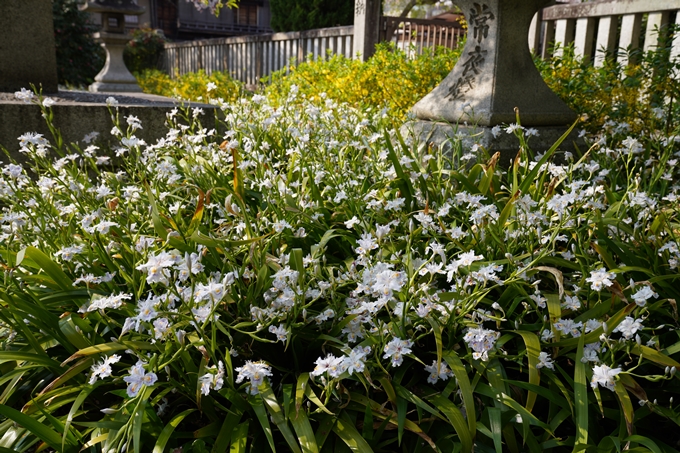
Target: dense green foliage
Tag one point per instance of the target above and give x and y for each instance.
(145, 50)
(302, 276)
(79, 58)
(615, 93)
(296, 15)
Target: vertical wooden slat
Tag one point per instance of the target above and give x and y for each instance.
(630, 34)
(548, 39)
(564, 30)
(605, 47)
(583, 41)
(656, 21)
(675, 49)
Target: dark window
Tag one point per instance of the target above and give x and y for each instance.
(246, 15)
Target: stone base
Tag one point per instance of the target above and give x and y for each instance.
(78, 113)
(447, 136)
(108, 87)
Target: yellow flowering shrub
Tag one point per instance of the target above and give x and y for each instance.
(388, 79)
(194, 86)
(614, 95)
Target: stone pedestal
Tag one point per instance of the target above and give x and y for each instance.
(27, 49)
(446, 136)
(114, 76)
(494, 75)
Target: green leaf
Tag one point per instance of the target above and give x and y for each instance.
(580, 395)
(456, 419)
(258, 406)
(465, 388)
(533, 346)
(137, 420)
(226, 431)
(275, 411)
(50, 267)
(40, 359)
(655, 356)
(496, 428)
(531, 176)
(165, 435)
(647, 442)
(525, 414)
(350, 436)
(626, 405)
(239, 438)
(48, 435)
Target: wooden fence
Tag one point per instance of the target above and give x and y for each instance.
(249, 58)
(602, 29)
(413, 35)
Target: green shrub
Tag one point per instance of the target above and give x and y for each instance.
(388, 79)
(639, 95)
(145, 49)
(79, 58)
(295, 15)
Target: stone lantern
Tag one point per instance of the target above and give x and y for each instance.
(114, 77)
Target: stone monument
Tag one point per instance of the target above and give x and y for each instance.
(494, 76)
(115, 76)
(31, 59)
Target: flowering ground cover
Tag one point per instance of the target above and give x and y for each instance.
(306, 278)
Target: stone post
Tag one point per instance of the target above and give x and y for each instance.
(27, 49)
(494, 75)
(366, 28)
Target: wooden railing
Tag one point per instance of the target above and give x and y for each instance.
(413, 35)
(604, 29)
(249, 58)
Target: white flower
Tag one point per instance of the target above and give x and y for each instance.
(544, 360)
(211, 86)
(571, 303)
(138, 378)
(628, 327)
(101, 303)
(354, 362)
(214, 379)
(590, 352)
(643, 295)
(569, 327)
(103, 368)
(481, 341)
(24, 95)
(280, 332)
(600, 278)
(604, 375)
(396, 349)
(443, 372)
(255, 372)
(48, 102)
(111, 101)
(330, 364)
(351, 222)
